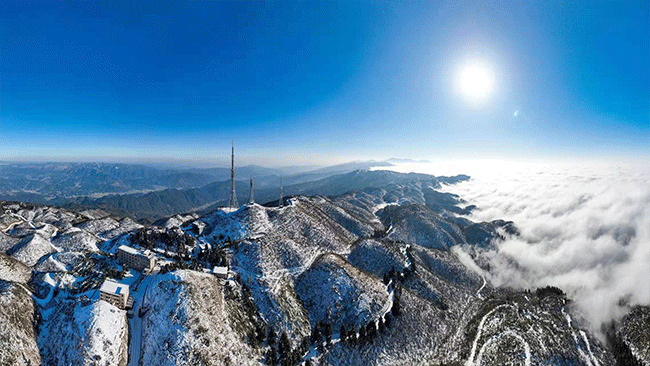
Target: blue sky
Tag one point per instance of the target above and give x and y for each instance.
(310, 82)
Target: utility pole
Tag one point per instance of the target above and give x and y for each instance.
(233, 195)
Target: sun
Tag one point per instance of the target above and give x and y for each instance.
(475, 82)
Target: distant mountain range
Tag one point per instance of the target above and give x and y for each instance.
(149, 193)
(153, 205)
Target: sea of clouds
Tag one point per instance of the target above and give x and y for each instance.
(585, 227)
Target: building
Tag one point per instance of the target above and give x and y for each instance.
(221, 272)
(134, 258)
(114, 293)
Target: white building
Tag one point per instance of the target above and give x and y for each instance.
(133, 258)
(221, 272)
(114, 293)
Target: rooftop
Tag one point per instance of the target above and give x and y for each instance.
(128, 249)
(220, 270)
(112, 287)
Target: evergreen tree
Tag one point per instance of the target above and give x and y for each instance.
(272, 337)
(316, 337)
(395, 310)
(387, 320)
(386, 278)
(271, 357)
(371, 330)
(284, 347)
(362, 334)
(260, 331)
(328, 333)
(304, 346)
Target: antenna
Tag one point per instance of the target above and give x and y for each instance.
(233, 195)
(281, 199)
(252, 196)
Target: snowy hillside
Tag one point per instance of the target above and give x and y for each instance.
(17, 337)
(13, 270)
(78, 334)
(634, 332)
(193, 319)
(336, 292)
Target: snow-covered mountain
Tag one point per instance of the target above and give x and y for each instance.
(75, 333)
(382, 273)
(193, 318)
(18, 337)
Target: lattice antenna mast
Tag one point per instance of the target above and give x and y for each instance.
(233, 195)
(252, 197)
(280, 204)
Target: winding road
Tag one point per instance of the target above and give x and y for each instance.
(472, 361)
(135, 323)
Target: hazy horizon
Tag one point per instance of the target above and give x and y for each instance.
(433, 165)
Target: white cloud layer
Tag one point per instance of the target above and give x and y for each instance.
(584, 228)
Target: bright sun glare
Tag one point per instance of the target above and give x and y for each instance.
(475, 82)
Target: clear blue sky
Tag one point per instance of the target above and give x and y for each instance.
(319, 82)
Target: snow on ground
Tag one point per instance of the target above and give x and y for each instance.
(335, 291)
(259, 223)
(57, 262)
(634, 332)
(99, 226)
(279, 245)
(227, 224)
(21, 229)
(47, 230)
(32, 248)
(293, 259)
(51, 215)
(94, 214)
(8, 221)
(377, 258)
(74, 334)
(176, 221)
(106, 332)
(126, 225)
(75, 239)
(413, 338)
(7, 242)
(189, 321)
(17, 338)
(532, 329)
(481, 325)
(138, 289)
(13, 270)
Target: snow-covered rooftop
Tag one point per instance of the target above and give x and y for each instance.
(133, 251)
(220, 270)
(112, 287)
(128, 249)
(228, 209)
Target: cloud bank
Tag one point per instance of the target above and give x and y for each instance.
(584, 228)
